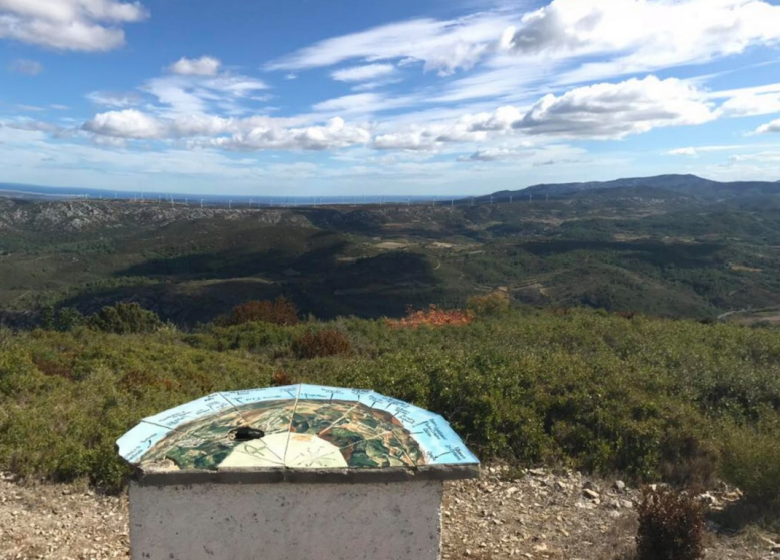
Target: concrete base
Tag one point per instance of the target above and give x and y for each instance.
(391, 521)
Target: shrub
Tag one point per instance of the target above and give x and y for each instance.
(493, 304)
(321, 344)
(53, 368)
(281, 379)
(671, 526)
(432, 317)
(63, 319)
(279, 312)
(124, 318)
(750, 461)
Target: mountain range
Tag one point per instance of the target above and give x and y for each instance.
(685, 185)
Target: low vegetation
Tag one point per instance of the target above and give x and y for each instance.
(432, 317)
(278, 312)
(320, 344)
(671, 526)
(650, 398)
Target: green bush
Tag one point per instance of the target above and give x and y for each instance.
(62, 319)
(751, 460)
(647, 398)
(489, 305)
(124, 318)
(671, 526)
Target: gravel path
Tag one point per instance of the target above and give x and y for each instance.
(539, 516)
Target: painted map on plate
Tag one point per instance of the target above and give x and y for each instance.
(301, 427)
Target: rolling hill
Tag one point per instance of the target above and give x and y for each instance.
(686, 185)
(636, 245)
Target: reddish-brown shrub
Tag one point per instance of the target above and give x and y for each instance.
(53, 368)
(671, 526)
(432, 317)
(279, 312)
(281, 379)
(321, 344)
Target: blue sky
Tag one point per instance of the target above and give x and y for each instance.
(330, 97)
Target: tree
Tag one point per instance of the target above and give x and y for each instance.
(124, 318)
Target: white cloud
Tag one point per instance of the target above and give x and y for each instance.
(248, 134)
(597, 112)
(442, 46)
(334, 135)
(366, 73)
(129, 123)
(495, 154)
(695, 151)
(528, 154)
(605, 111)
(761, 157)
(363, 104)
(421, 140)
(566, 42)
(186, 95)
(478, 127)
(79, 25)
(40, 126)
(203, 66)
(24, 66)
(773, 126)
(692, 152)
(747, 105)
(640, 36)
(30, 108)
(115, 100)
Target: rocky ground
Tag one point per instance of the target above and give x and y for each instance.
(539, 515)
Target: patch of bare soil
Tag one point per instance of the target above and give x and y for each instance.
(565, 516)
(66, 522)
(538, 516)
(392, 245)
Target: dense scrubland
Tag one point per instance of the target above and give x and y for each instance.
(650, 398)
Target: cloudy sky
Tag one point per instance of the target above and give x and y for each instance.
(315, 97)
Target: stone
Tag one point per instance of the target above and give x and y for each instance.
(590, 494)
(709, 499)
(619, 485)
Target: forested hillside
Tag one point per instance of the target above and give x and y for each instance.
(647, 249)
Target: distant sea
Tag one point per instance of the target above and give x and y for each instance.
(75, 193)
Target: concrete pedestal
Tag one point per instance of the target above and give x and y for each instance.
(290, 521)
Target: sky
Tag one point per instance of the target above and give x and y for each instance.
(351, 97)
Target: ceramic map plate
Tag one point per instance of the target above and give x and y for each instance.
(295, 427)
